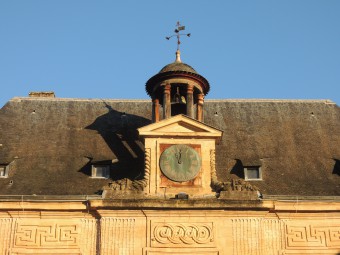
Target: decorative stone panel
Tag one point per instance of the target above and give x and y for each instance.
(47, 235)
(312, 235)
(7, 226)
(255, 236)
(170, 234)
(159, 251)
(55, 235)
(118, 236)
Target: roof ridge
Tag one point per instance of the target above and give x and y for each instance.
(78, 99)
(259, 100)
(252, 100)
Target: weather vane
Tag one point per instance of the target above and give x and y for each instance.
(178, 35)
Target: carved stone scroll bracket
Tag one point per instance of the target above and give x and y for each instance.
(147, 167)
(214, 180)
(126, 187)
(232, 189)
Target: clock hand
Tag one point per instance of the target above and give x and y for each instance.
(179, 156)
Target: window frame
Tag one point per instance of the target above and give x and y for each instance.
(5, 170)
(105, 175)
(245, 169)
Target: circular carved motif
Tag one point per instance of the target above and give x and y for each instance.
(180, 163)
(183, 234)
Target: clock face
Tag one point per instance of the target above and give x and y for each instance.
(180, 163)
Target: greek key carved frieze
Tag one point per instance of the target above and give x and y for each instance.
(179, 234)
(313, 236)
(47, 235)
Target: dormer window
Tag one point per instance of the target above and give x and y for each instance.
(4, 171)
(100, 171)
(252, 173)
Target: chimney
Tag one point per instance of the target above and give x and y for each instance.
(41, 94)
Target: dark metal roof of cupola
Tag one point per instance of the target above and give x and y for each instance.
(177, 69)
(178, 66)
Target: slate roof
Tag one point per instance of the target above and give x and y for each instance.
(50, 143)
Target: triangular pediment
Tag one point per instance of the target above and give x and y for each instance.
(179, 125)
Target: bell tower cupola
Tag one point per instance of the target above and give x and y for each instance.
(177, 88)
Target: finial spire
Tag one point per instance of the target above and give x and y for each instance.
(178, 35)
(178, 57)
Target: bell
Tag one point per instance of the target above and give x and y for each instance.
(178, 98)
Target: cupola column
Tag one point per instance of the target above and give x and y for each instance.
(190, 100)
(167, 101)
(155, 110)
(200, 101)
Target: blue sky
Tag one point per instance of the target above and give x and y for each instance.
(109, 49)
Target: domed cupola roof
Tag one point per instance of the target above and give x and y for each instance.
(177, 70)
(178, 66)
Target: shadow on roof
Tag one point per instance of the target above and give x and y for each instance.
(119, 131)
(237, 169)
(336, 169)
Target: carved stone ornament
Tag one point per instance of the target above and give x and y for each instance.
(236, 185)
(232, 185)
(46, 235)
(131, 186)
(317, 236)
(193, 234)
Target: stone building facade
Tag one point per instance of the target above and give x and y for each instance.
(176, 174)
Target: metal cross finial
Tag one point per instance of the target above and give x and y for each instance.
(178, 35)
